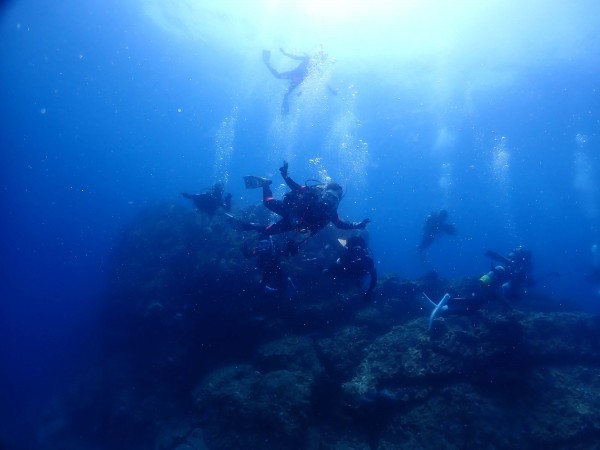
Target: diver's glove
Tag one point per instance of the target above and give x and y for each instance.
(284, 169)
(362, 225)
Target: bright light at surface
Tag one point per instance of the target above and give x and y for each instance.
(351, 26)
(385, 33)
(351, 12)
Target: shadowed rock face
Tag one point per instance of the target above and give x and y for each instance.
(524, 381)
(194, 355)
(518, 381)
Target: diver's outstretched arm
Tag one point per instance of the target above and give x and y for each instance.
(298, 57)
(291, 183)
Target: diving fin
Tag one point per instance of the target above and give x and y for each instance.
(253, 182)
(441, 306)
(266, 56)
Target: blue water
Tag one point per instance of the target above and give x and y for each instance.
(105, 110)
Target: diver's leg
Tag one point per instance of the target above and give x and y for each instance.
(239, 225)
(266, 56)
(253, 182)
(278, 227)
(271, 203)
(273, 71)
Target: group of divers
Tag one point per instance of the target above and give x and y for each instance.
(307, 209)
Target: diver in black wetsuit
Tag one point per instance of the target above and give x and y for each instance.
(268, 255)
(435, 224)
(209, 202)
(296, 75)
(303, 209)
(356, 262)
(519, 271)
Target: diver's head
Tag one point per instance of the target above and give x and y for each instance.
(332, 195)
(218, 188)
(334, 187)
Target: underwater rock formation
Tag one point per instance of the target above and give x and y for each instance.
(196, 356)
(523, 381)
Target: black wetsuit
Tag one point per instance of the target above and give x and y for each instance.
(210, 202)
(355, 263)
(296, 75)
(435, 224)
(269, 259)
(302, 209)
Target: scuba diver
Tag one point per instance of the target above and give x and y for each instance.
(504, 282)
(209, 202)
(273, 280)
(303, 209)
(435, 224)
(519, 268)
(296, 75)
(356, 263)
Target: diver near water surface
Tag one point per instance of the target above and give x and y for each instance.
(303, 209)
(297, 75)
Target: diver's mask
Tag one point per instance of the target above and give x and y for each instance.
(331, 199)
